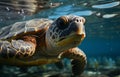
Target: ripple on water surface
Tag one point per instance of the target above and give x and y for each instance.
(107, 5)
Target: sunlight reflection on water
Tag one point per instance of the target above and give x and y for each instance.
(107, 5)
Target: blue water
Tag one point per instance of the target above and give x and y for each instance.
(102, 22)
(102, 42)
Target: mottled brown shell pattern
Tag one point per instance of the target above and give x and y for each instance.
(22, 28)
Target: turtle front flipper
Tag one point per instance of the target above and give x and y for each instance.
(17, 48)
(78, 60)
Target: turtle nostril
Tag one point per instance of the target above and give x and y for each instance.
(83, 20)
(77, 20)
(80, 19)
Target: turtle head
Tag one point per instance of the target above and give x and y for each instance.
(66, 32)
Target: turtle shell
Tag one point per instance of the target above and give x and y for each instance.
(19, 29)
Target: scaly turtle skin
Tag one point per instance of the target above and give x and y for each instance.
(43, 41)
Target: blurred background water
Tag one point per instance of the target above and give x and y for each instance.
(102, 42)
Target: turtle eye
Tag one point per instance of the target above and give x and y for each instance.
(62, 22)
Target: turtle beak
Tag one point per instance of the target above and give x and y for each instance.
(79, 28)
(81, 32)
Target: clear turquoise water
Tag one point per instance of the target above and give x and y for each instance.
(102, 22)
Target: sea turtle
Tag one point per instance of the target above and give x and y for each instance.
(44, 41)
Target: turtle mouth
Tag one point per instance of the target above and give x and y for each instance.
(71, 39)
(78, 35)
